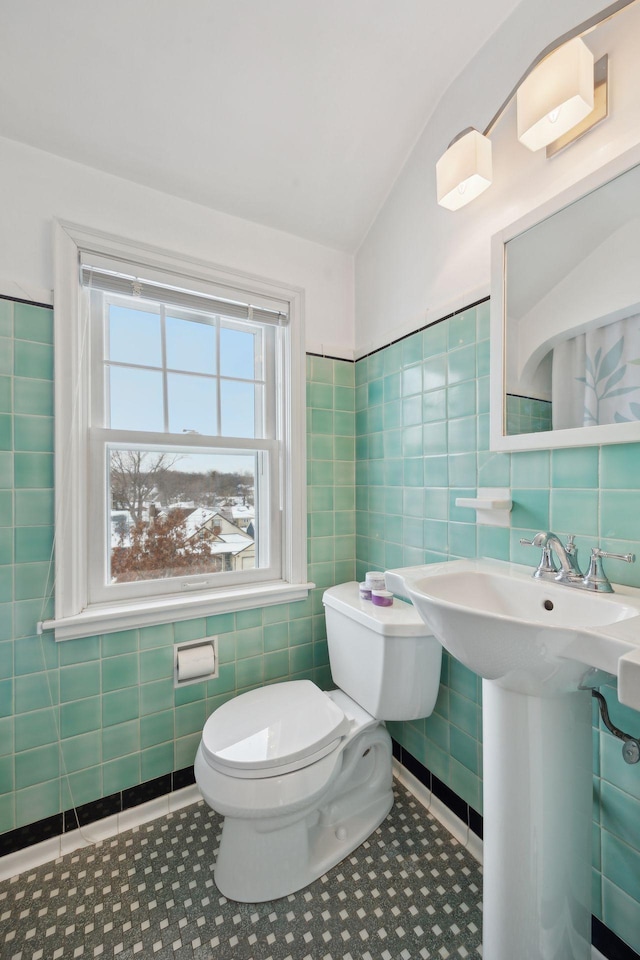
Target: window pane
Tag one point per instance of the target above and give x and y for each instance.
(136, 399)
(237, 401)
(237, 353)
(192, 404)
(175, 515)
(134, 336)
(191, 345)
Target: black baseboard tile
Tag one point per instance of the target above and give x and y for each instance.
(143, 792)
(32, 833)
(475, 823)
(417, 769)
(88, 813)
(450, 799)
(182, 778)
(609, 944)
(22, 837)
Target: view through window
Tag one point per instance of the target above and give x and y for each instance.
(177, 514)
(175, 511)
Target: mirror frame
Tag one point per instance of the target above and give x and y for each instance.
(575, 436)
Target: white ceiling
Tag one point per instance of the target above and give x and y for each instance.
(296, 114)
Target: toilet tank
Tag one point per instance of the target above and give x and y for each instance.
(382, 657)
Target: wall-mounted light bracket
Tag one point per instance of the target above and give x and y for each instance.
(556, 95)
(599, 113)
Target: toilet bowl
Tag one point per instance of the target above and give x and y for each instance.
(302, 776)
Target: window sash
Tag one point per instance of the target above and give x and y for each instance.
(103, 437)
(267, 379)
(268, 519)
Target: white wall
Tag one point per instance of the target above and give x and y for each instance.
(36, 187)
(419, 261)
(602, 289)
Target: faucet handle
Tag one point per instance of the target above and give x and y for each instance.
(627, 557)
(540, 540)
(595, 578)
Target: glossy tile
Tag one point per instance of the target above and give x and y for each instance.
(558, 489)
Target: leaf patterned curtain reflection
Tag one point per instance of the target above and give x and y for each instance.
(596, 376)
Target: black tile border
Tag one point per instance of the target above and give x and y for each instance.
(30, 303)
(475, 823)
(183, 778)
(27, 836)
(432, 323)
(88, 813)
(329, 356)
(150, 790)
(456, 804)
(405, 336)
(609, 944)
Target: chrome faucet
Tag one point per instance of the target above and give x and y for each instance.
(567, 555)
(595, 579)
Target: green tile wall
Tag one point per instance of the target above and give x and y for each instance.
(111, 697)
(527, 415)
(392, 441)
(422, 411)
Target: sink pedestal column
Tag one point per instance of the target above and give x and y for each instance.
(537, 825)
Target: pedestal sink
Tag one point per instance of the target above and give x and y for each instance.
(532, 642)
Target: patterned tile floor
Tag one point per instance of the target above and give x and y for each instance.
(410, 891)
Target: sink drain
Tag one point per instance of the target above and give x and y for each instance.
(548, 604)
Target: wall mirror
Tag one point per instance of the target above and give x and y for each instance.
(565, 305)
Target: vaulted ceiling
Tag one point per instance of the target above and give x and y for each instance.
(296, 114)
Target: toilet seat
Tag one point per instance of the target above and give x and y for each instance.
(273, 730)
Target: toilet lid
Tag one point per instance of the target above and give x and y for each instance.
(285, 725)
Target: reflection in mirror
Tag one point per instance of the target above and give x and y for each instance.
(572, 317)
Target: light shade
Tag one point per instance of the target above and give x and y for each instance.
(556, 95)
(463, 172)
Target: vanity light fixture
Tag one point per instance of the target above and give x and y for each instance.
(555, 106)
(464, 171)
(555, 96)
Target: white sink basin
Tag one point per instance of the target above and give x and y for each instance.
(530, 636)
(532, 641)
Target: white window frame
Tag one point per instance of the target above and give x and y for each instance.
(103, 437)
(75, 614)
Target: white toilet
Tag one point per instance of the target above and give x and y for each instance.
(303, 777)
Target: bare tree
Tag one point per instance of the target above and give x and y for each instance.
(177, 486)
(135, 474)
(231, 485)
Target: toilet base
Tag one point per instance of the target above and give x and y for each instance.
(263, 859)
